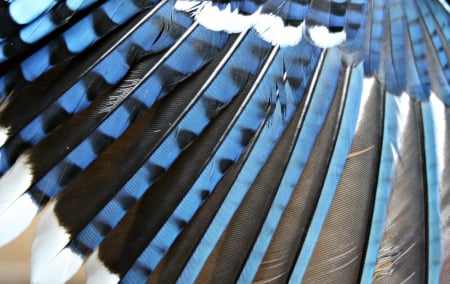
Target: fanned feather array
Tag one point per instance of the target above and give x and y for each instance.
(227, 141)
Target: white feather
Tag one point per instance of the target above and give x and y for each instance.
(269, 27)
(17, 218)
(272, 29)
(322, 37)
(60, 269)
(15, 182)
(227, 20)
(187, 6)
(51, 238)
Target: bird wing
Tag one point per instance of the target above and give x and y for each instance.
(227, 141)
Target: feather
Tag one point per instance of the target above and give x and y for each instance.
(342, 142)
(76, 39)
(444, 198)
(402, 252)
(325, 22)
(291, 221)
(347, 219)
(142, 170)
(216, 104)
(56, 17)
(384, 183)
(79, 157)
(182, 141)
(89, 79)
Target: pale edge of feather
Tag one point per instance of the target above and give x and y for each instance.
(15, 182)
(97, 273)
(445, 5)
(23, 12)
(4, 135)
(368, 83)
(50, 261)
(402, 117)
(78, 4)
(342, 147)
(440, 130)
(268, 26)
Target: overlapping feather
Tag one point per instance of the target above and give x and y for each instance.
(170, 151)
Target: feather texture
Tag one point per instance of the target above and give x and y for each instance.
(183, 141)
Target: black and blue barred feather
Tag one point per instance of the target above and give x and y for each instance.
(227, 141)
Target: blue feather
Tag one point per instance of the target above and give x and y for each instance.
(208, 180)
(119, 120)
(76, 39)
(375, 36)
(112, 68)
(238, 190)
(25, 11)
(45, 24)
(419, 86)
(194, 121)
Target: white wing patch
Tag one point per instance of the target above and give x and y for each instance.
(269, 27)
(322, 37)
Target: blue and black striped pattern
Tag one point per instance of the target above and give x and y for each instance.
(76, 39)
(112, 124)
(330, 14)
(106, 73)
(173, 153)
(205, 106)
(34, 29)
(255, 113)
